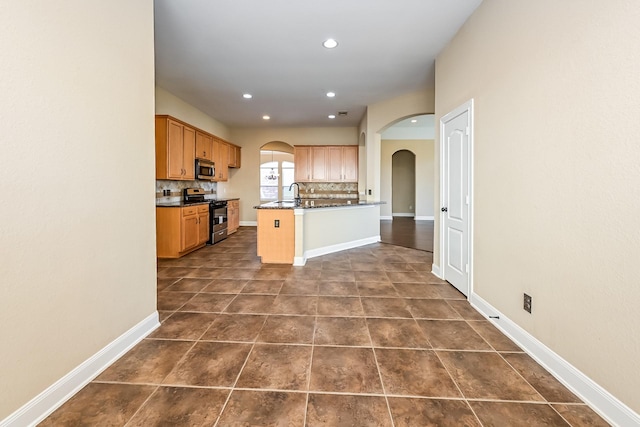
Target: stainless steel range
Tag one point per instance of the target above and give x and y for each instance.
(217, 221)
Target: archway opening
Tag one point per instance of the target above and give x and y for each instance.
(403, 184)
(276, 171)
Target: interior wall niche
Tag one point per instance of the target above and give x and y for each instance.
(403, 182)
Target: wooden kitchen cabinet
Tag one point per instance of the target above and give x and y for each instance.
(180, 230)
(326, 163)
(233, 214)
(234, 156)
(276, 236)
(204, 146)
(221, 159)
(175, 149)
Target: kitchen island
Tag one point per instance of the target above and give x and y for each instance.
(291, 233)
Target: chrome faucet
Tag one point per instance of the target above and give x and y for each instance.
(297, 199)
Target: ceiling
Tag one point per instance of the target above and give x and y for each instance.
(210, 52)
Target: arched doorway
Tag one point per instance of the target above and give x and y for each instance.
(403, 184)
(276, 171)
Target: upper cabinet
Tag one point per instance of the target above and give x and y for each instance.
(178, 145)
(204, 146)
(326, 163)
(175, 149)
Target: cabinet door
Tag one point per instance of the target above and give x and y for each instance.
(334, 166)
(301, 163)
(203, 226)
(204, 146)
(318, 163)
(175, 150)
(350, 163)
(189, 153)
(232, 156)
(189, 237)
(224, 161)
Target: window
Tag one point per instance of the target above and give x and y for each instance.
(276, 175)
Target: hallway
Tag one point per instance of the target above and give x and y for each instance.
(406, 232)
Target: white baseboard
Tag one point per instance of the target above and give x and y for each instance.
(600, 400)
(424, 218)
(435, 269)
(407, 214)
(299, 261)
(41, 406)
(386, 218)
(248, 223)
(340, 247)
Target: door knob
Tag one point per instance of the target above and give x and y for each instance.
(444, 209)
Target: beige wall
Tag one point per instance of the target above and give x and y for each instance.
(378, 117)
(557, 212)
(424, 180)
(245, 181)
(168, 103)
(77, 235)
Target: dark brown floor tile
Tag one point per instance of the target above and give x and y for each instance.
(295, 304)
(414, 373)
(405, 277)
(580, 416)
(148, 362)
(446, 290)
(431, 309)
(164, 315)
(264, 408)
(210, 364)
(337, 265)
(337, 288)
(389, 259)
(493, 336)
(100, 404)
(281, 367)
(165, 283)
(347, 411)
(206, 273)
(235, 327)
(376, 289)
(181, 406)
(173, 272)
(419, 266)
(308, 272)
(385, 307)
(397, 333)
(269, 287)
(411, 412)
(236, 273)
(465, 310)
(171, 301)
(338, 275)
(225, 286)
(271, 274)
(210, 303)
(366, 266)
(370, 276)
(251, 304)
(339, 306)
(416, 290)
(398, 266)
(189, 285)
(344, 369)
(288, 329)
(549, 387)
(341, 331)
(517, 414)
(186, 326)
(452, 335)
(487, 376)
(299, 287)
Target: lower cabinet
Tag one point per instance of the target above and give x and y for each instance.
(276, 236)
(233, 213)
(180, 230)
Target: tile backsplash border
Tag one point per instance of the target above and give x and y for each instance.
(175, 189)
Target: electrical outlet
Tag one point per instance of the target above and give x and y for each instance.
(527, 303)
(276, 223)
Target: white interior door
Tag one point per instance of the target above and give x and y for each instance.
(456, 199)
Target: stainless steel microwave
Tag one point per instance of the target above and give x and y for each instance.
(205, 170)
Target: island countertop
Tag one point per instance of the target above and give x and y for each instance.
(316, 204)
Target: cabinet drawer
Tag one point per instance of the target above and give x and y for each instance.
(191, 210)
(203, 208)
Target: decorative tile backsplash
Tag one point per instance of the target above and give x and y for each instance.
(175, 189)
(329, 190)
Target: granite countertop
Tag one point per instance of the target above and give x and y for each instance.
(316, 203)
(181, 203)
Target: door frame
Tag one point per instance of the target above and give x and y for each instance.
(467, 106)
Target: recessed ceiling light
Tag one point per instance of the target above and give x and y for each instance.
(247, 96)
(266, 117)
(330, 43)
(414, 121)
(331, 94)
(332, 116)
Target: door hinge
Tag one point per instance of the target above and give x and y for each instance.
(466, 268)
(467, 130)
(466, 199)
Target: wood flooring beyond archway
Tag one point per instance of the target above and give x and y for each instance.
(405, 231)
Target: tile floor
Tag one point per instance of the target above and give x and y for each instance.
(365, 337)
